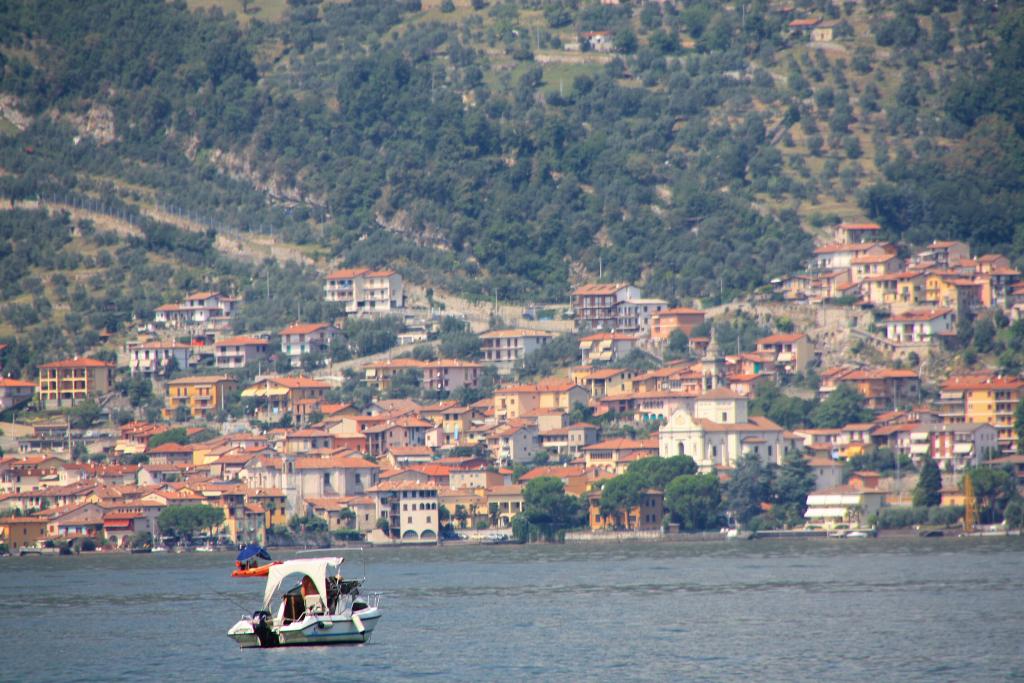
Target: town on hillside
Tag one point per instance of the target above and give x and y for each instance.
(397, 422)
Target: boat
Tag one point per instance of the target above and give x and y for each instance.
(247, 562)
(323, 608)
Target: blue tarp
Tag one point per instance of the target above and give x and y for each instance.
(252, 550)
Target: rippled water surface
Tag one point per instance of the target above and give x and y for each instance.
(809, 610)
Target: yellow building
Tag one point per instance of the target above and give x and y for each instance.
(986, 398)
(64, 383)
(896, 290)
(199, 395)
(19, 532)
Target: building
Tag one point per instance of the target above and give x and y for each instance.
(719, 432)
(845, 506)
(410, 509)
(941, 254)
(157, 357)
(22, 532)
(303, 339)
(667, 321)
(276, 397)
(237, 352)
(920, 326)
(983, 398)
(508, 502)
(201, 309)
(442, 375)
(14, 392)
(65, 383)
(898, 291)
(198, 395)
(791, 351)
(954, 447)
(505, 348)
(646, 515)
(363, 290)
(606, 347)
(517, 401)
(617, 307)
(884, 388)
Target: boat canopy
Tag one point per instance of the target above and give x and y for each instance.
(316, 569)
(253, 550)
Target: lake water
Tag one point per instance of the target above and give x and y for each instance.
(809, 610)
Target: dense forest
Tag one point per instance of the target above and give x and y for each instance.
(464, 144)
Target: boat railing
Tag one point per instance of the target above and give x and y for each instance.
(373, 598)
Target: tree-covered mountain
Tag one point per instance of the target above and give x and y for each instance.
(464, 144)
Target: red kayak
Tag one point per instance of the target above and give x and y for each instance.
(254, 571)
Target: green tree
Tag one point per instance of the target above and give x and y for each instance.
(749, 487)
(843, 406)
(1013, 514)
(85, 414)
(993, 489)
(695, 501)
(177, 435)
(549, 508)
(657, 472)
(187, 520)
(621, 493)
(929, 484)
(792, 483)
(1018, 425)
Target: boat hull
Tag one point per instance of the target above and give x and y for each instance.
(312, 630)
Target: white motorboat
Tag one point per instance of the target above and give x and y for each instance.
(322, 609)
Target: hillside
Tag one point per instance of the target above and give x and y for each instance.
(462, 143)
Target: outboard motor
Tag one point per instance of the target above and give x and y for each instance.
(264, 634)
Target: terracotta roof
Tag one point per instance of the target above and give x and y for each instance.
(347, 273)
(8, 382)
(679, 310)
(556, 471)
(782, 338)
(403, 486)
(501, 334)
(860, 226)
(335, 463)
(77, 363)
(203, 379)
(300, 382)
(599, 288)
(241, 341)
(304, 328)
(199, 296)
(720, 393)
(921, 314)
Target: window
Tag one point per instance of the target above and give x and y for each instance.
(428, 519)
(410, 520)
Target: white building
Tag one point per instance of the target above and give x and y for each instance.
(363, 290)
(237, 352)
(719, 432)
(504, 347)
(843, 505)
(306, 338)
(410, 508)
(155, 357)
(920, 325)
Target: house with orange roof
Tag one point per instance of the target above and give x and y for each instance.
(211, 310)
(237, 352)
(347, 512)
(983, 397)
(408, 430)
(867, 265)
(365, 290)
(601, 381)
(302, 339)
(199, 395)
(613, 455)
(856, 233)
(504, 502)
(899, 291)
(882, 387)
(171, 454)
(840, 256)
(65, 383)
(515, 441)
(615, 307)
(920, 325)
(406, 456)
(577, 479)
(504, 348)
(941, 254)
(275, 397)
(791, 351)
(569, 440)
(18, 532)
(14, 392)
(443, 375)
(645, 515)
(667, 321)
